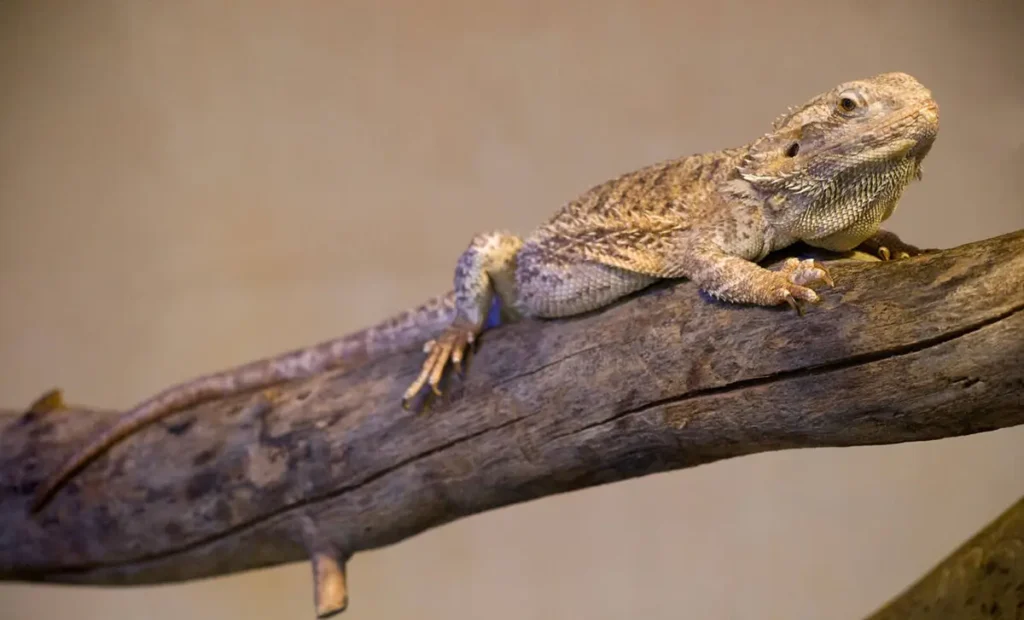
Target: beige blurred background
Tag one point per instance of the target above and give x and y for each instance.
(189, 185)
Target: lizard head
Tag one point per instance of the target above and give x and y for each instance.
(834, 168)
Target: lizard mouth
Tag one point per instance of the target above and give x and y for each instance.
(930, 112)
(925, 121)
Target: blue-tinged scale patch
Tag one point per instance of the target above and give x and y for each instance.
(494, 314)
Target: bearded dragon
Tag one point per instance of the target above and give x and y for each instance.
(827, 174)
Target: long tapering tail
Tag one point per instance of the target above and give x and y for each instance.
(401, 332)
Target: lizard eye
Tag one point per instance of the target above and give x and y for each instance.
(847, 104)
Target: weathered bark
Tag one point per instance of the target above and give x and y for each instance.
(983, 578)
(911, 350)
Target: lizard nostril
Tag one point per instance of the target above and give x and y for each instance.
(793, 149)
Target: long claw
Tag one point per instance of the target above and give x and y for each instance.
(421, 379)
(457, 353)
(794, 305)
(827, 278)
(884, 253)
(444, 353)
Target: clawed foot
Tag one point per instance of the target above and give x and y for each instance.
(887, 246)
(450, 346)
(886, 254)
(794, 279)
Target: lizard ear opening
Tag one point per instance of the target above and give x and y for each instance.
(793, 149)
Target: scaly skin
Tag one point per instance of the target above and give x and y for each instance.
(829, 174)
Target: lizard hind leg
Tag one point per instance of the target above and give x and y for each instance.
(487, 268)
(530, 279)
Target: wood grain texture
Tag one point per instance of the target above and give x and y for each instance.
(983, 578)
(913, 350)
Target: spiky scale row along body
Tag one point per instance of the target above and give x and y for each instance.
(828, 174)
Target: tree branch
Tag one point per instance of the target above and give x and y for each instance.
(983, 578)
(912, 350)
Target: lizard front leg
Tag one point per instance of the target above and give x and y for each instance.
(485, 269)
(735, 279)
